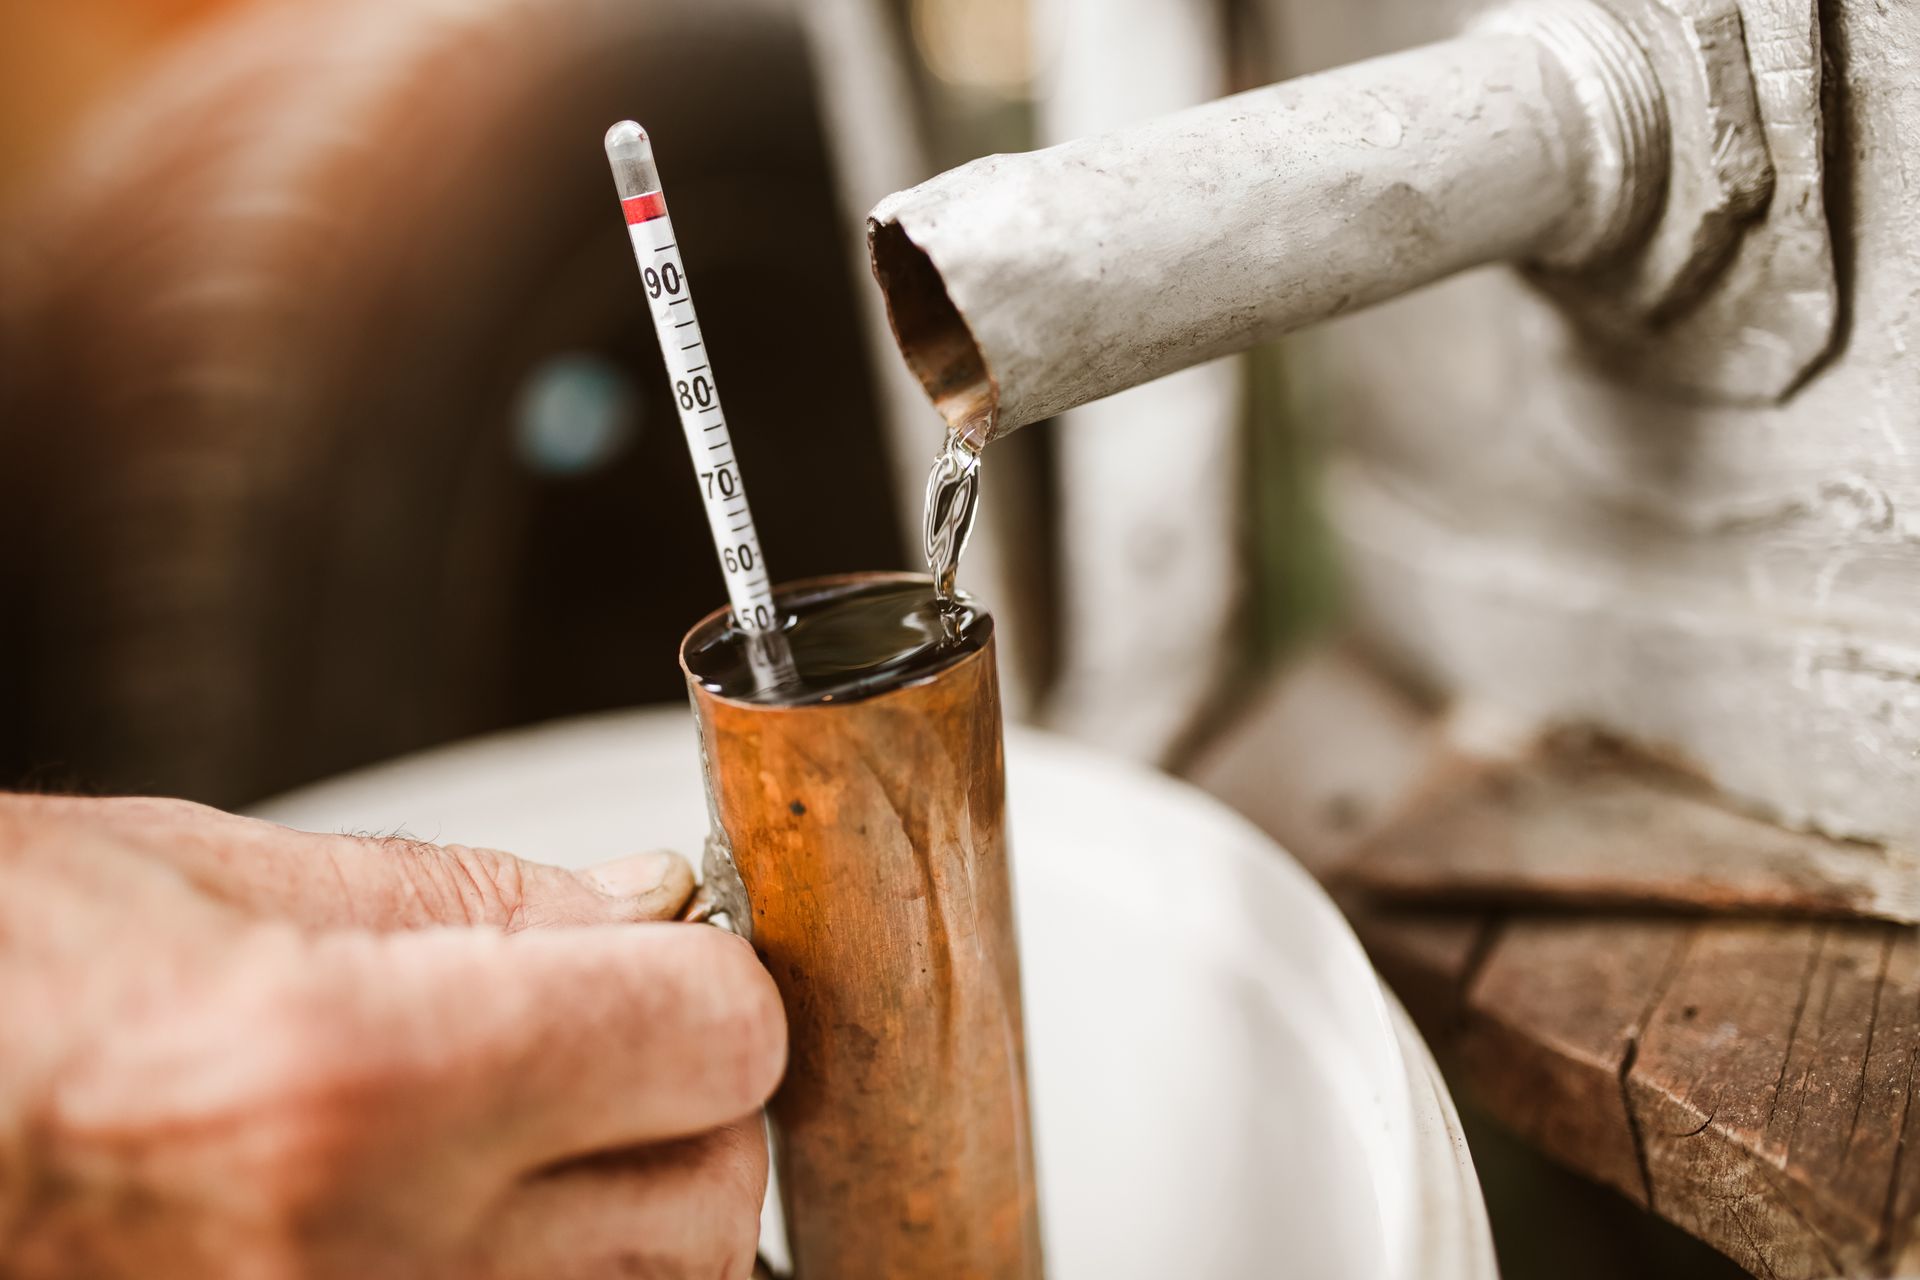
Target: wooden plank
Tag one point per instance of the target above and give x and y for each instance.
(1718, 1089)
(1551, 1022)
(1581, 823)
(1829, 1124)
(1887, 1131)
(1749, 1080)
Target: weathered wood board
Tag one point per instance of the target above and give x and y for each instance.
(1750, 1080)
(1580, 822)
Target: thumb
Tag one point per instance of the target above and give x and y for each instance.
(373, 882)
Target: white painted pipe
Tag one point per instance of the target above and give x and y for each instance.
(1022, 285)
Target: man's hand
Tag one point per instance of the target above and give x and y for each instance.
(231, 1049)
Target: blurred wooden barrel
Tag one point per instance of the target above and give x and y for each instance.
(272, 337)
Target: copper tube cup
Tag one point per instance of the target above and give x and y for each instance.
(870, 838)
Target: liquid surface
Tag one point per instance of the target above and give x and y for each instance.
(847, 641)
(953, 493)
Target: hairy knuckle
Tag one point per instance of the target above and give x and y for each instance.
(450, 883)
(499, 873)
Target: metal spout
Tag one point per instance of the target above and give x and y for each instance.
(1022, 285)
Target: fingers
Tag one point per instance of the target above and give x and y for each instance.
(378, 1091)
(330, 881)
(553, 1044)
(687, 1208)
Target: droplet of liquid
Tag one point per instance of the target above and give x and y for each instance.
(953, 494)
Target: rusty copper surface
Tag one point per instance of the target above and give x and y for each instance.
(871, 836)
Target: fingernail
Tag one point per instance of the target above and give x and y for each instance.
(634, 875)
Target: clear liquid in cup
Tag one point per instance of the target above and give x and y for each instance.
(849, 640)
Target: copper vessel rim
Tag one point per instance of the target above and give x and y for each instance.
(806, 587)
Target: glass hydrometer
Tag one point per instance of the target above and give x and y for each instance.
(670, 300)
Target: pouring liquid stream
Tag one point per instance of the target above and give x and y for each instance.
(953, 495)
